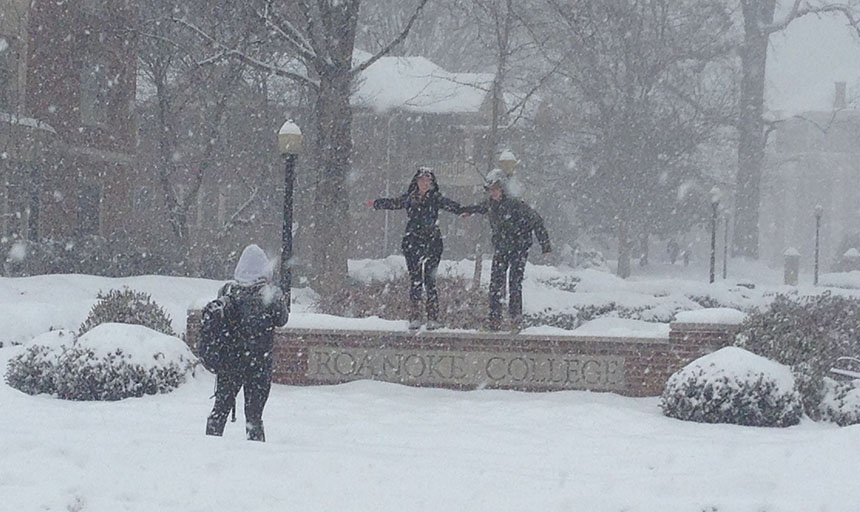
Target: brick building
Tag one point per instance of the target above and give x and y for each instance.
(67, 125)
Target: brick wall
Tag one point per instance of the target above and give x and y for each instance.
(478, 360)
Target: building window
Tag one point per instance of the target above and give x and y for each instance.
(89, 206)
(95, 88)
(8, 75)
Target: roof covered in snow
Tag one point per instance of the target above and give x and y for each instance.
(416, 84)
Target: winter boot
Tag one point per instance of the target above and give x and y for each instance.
(434, 324)
(215, 424)
(493, 323)
(255, 432)
(516, 324)
(414, 315)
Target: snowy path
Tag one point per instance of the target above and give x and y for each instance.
(370, 446)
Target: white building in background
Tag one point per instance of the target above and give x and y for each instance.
(813, 158)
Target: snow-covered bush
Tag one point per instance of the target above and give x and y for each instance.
(111, 362)
(33, 371)
(841, 402)
(128, 307)
(732, 385)
(807, 334)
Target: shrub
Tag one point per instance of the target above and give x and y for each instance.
(841, 402)
(733, 386)
(807, 334)
(33, 371)
(75, 372)
(127, 307)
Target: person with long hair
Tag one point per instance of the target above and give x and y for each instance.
(422, 242)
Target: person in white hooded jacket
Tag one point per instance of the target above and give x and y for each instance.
(258, 307)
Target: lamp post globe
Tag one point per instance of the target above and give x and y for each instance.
(508, 162)
(289, 145)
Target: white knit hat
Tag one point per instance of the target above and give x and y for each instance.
(253, 266)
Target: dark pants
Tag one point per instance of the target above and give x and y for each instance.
(256, 379)
(423, 254)
(503, 262)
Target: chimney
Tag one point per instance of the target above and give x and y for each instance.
(839, 98)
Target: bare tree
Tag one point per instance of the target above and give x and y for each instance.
(188, 108)
(319, 37)
(643, 81)
(759, 23)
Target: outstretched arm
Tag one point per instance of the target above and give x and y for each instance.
(389, 203)
(449, 205)
(482, 207)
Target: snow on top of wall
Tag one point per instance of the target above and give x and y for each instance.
(622, 327)
(416, 84)
(727, 316)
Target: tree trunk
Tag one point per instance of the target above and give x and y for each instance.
(751, 127)
(331, 237)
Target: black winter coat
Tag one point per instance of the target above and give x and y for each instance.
(260, 307)
(513, 223)
(423, 212)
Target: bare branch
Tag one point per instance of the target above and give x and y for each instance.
(397, 40)
(797, 12)
(289, 33)
(244, 57)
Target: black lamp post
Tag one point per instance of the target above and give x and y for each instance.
(819, 210)
(715, 205)
(290, 145)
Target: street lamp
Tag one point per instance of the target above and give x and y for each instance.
(819, 211)
(715, 205)
(290, 145)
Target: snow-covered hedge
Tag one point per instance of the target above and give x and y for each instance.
(808, 334)
(110, 362)
(733, 385)
(841, 402)
(128, 307)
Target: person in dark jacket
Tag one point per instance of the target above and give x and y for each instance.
(422, 242)
(512, 222)
(257, 307)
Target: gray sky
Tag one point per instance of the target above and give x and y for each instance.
(805, 61)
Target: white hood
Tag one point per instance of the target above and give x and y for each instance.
(253, 266)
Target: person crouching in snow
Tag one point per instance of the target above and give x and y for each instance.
(512, 222)
(259, 308)
(422, 242)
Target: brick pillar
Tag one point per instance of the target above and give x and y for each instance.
(689, 341)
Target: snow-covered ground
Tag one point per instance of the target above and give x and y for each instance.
(371, 446)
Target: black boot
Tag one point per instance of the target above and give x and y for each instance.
(215, 424)
(414, 315)
(255, 432)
